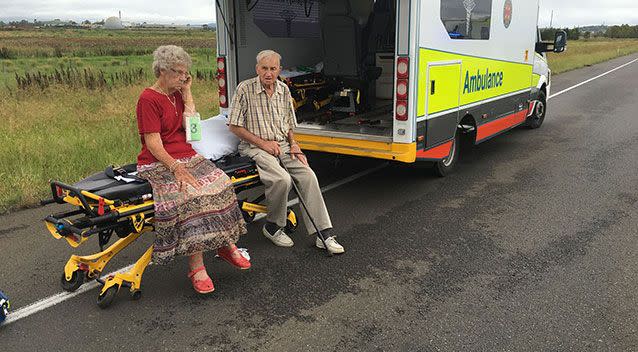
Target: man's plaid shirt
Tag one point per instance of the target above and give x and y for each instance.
(269, 118)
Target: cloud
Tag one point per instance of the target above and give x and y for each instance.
(567, 13)
(159, 11)
(570, 13)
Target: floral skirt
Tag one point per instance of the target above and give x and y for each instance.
(192, 221)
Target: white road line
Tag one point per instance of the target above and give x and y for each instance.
(589, 80)
(55, 299)
(63, 296)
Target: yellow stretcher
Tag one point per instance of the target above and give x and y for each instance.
(116, 202)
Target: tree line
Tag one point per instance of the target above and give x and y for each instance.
(622, 31)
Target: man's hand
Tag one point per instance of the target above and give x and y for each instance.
(271, 147)
(296, 153)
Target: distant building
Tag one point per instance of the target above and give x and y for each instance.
(57, 23)
(113, 23)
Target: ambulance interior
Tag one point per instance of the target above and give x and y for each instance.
(338, 59)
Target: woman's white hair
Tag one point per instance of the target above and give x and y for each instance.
(167, 56)
(267, 53)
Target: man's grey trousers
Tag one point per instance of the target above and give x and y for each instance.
(278, 185)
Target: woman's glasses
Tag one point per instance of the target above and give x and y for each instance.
(180, 73)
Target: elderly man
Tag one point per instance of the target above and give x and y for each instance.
(263, 117)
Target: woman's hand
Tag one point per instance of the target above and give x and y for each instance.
(185, 89)
(187, 83)
(184, 178)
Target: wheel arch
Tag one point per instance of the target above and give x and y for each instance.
(467, 126)
(544, 88)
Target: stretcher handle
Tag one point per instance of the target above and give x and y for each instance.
(74, 192)
(115, 215)
(82, 195)
(47, 201)
(65, 225)
(97, 198)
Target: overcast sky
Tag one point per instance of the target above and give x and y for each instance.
(567, 13)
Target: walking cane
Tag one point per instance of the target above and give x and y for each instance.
(303, 204)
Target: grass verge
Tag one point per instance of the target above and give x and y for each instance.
(66, 134)
(583, 53)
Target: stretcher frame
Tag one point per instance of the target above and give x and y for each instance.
(128, 219)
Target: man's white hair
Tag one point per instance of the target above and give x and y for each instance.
(267, 53)
(167, 56)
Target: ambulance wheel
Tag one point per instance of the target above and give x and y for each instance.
(136, 294)
(445, 166)
(535, 120)
(77, 279)
(104, 300)
(291, 222)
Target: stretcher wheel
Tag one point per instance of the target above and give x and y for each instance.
(77, 279)
(136, 294)
(105, 300)
(291, 221)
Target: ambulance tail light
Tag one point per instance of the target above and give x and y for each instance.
(401, 89)
(222, 82)
(403, 66)
(402, 111)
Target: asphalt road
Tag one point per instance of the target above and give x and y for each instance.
(529, 246)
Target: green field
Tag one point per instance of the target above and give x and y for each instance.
(66, 131)
(111, 54)
(588, 52)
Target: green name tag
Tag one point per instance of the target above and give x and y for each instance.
(193, 126)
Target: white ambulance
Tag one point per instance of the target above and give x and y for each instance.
(401, 80)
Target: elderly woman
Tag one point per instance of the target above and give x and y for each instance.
(195, 205)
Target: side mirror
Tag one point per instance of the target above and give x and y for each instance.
(558, 46)
(560, 41)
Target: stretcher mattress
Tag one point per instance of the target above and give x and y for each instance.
(123, 184)
(113, 185)
(218, 144)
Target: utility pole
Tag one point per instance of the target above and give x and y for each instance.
(551, 21)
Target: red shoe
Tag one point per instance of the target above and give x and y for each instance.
(227, 254)
(201, 286)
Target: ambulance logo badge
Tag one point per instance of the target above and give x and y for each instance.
(507, 13)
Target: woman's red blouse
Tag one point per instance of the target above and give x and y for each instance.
(157, 114)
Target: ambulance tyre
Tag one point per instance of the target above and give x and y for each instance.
(444, 167)
(535, 120)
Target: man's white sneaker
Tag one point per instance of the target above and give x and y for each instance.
(279, 238)
(333, 246)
